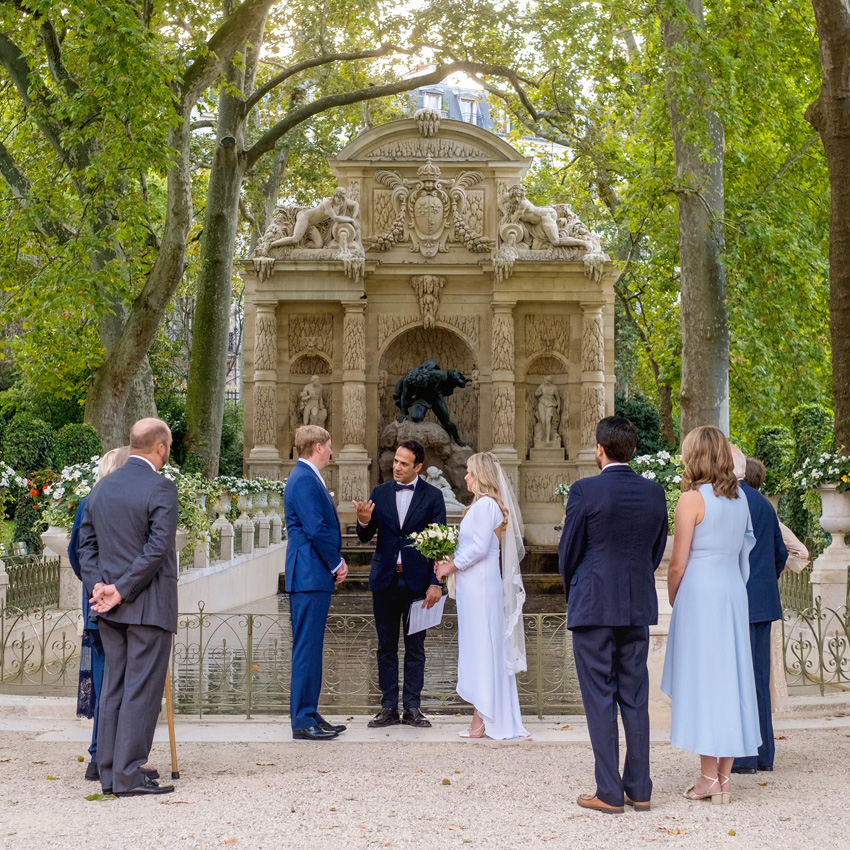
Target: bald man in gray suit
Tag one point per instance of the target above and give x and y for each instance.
(128, 558)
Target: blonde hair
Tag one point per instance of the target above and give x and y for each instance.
(112, 460)
(707, 456)
(307, 437)
(484, 467)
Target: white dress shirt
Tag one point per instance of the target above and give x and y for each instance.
(613, 464)
(403, 498)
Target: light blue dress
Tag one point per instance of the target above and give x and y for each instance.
(708, 669)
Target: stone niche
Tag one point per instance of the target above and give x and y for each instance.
(429, 250)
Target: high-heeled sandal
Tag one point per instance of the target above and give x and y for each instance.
(473, 733)
(716, 797)
(726, 795)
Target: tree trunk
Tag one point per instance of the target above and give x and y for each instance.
(665, 412)
(830, 116)
(704, 396)
(208, 362)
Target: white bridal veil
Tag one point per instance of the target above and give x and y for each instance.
(513, 591)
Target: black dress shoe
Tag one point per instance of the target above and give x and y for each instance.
(385, 717)
(313, 733)
(330, 727)
(414, 717)
(93, 772)
(762, 768)
(736, 768)
(148, 786)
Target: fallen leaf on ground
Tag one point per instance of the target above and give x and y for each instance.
(265, 763)
(732, 832)
(230, 840)
(51, 777)
(778, 737)
(456, 826)
(420, 770)
(333, 808)
(458, 771)
(675, 831)
(39, 762)
(81, 758)
(784, 818)
(566, 727)
(8, 759)
(762, 784)
(177, 802)
(99, 798)
(447, 782)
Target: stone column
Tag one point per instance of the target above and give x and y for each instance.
(264, 458)
(592, 383)
(353, 460)
(504, 389)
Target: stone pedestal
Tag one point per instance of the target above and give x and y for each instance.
(829, 573)
(55, 542)
(553, 454)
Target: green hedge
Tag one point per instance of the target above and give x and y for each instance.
(775, 449)
(28, 523)
(643, 414)
(28, 443)
(76, 443)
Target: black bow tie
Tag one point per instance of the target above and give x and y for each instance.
(403, 486)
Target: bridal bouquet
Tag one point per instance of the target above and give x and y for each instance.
(436, 542)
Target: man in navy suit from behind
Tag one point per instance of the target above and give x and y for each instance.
(767, 561)
(400, 575)
(613, 539)
(314, 566)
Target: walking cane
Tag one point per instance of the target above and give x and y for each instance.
(169, 712)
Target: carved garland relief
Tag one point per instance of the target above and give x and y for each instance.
(547, 333)
(353, 414)
(592, 410)
(265, 418)
(592, 343)
(265, 350)
(422, 148)
(504, 415)
(354, 341)
(428, 288)
(540, 486)
(503, 342)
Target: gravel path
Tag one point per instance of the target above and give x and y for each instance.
(406, 794)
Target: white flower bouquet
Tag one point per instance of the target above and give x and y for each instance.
(66, 493)
(436, 542)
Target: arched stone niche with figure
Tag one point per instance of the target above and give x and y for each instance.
(431, 254)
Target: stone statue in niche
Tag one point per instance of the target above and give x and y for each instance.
(429, 211)
(434, 476)
(425, 388)
(547, 415)
(333, 224)
(310, 404)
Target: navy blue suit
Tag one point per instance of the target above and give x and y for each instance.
(767, 560)
(87, 701)
(613, 539)
(393, 590)
(313, 554)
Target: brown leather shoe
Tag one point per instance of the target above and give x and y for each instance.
(591, 801)
(638, 807)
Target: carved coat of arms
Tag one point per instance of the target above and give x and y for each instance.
(429, 211)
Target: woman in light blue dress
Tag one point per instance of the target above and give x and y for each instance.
(708, 669)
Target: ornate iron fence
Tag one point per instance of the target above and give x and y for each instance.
(33, 581)
(240, 664)
(39, 650)
(795, 590)
(817, 647)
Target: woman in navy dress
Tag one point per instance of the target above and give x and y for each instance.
(708, 669)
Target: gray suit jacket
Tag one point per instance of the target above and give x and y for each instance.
(127, 539)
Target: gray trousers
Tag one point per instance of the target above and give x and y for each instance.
(130, 701)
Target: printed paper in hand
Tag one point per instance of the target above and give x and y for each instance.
(423, 618)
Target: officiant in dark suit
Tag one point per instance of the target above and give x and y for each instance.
(399, 576)
(613, 539)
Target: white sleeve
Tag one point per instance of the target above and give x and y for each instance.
(477, 533)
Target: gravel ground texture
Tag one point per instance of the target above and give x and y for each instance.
(382, 790)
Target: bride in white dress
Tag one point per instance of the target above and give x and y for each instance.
(491, 640)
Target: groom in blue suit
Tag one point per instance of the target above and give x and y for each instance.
(314, 566)
(613, 539)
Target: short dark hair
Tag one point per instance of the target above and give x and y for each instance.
(755, 474)
(618, 437)
(415, 447)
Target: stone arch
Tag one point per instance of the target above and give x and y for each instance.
(311, 364)
(412, 346)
